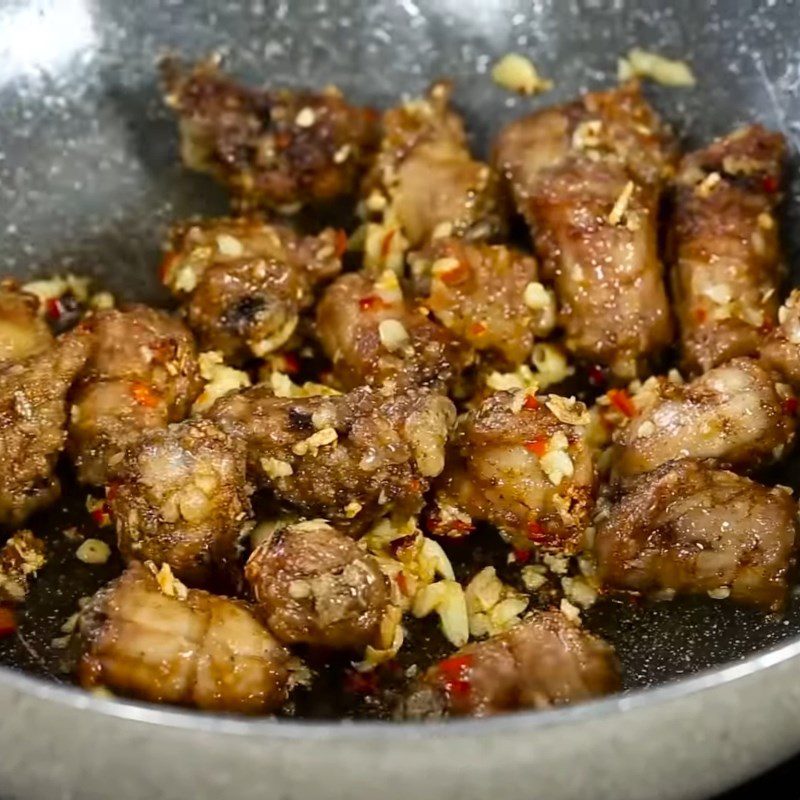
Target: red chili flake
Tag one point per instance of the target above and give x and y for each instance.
(291, 363)
(357, 682)
(111, 491)
(522, 556)
(167, 264)
(455, 671)
(453, 527)
(396, 545)
(402, 583)
(340, 243)
(531, 403)
(8, 622)
(144, 395)
(537, 446)
(770, 184)
(101, 515)
(54, 308)
(478, 328)
(415, 484)
(766, 326)
(372, 302)
(700, 315)
(536, 532)
(622, 401)
(283, 140)
(386, 244)
(790, 406)
(456, 275)
(596, 375)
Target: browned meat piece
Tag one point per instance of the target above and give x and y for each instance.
(275, 147)
(780, 351)
(487, 295)
(314, 585)
(181, 499)
(724, 246)
(544, 661)
(243, 283)
(425, 181)
(142, 374)
(350, 458)
(145, 635)
(522, 463)
(689, 528)
(587, 177)
(23, 332)
(735, 414)
(372, 333)
(33, 417)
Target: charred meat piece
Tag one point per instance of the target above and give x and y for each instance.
(736, 414)
(145, 635)
(23, 332)
(274, 147)
(724, 246)
(33, 420)
(689, 528)
(348, 459)
(372, 334)
(587, 177)
(780, 351)
(425, 181)
(243, 283)
(544, 661)
(522, 463)
(487, 295)
(141, 375)
(180, 498)
(315, 586)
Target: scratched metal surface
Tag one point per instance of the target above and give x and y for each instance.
(89, 175)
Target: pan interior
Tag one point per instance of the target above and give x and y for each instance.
(89, 177)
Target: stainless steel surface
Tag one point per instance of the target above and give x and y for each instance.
(88, 179)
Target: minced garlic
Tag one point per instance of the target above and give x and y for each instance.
(220, 380)
(275, 468)
(620, 208)
(315, 441)
(518, 74)
(666, 71)
(393, 334)
(93, 551)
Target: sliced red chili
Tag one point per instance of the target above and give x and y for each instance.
(340, 243)
(456, 275)
(537, 446)
(700, 315)
(386, 244)
(478, 328)
(790, 406)
(622, 401)
(455, 672)
(8, 622)
(531, 402)
(144, 395)
(357, 682)
(291, 364)
(372, 302)
(770, 184)
(522, 556)
(596, 375)
(537, 533)
(402, 583)
(54, 308)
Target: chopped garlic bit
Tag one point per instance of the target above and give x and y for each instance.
(568, 410)
(518, 74)
(352, 509)
(167, 582)
(275, 468)
(57, 285)
(556, 462)
(305, 117)
(313, 443)
(21, 557)
(536, 297)
(571, 612)
(283, 386)
(706, 186)
(93, 551)
(551, 364)
(556, 564)
(269, 345)
(579, 591)
(534, 576)
(220, 380)
(391, 636)
(521, 378)
(666, 71)
(388, 287)
(445, 598)
(492, 606)
(229, 245)
(393, 334)
(721, 593)
(620, 208)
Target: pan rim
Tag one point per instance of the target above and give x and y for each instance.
(75, 698)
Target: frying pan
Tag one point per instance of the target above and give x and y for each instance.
(88, 180)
